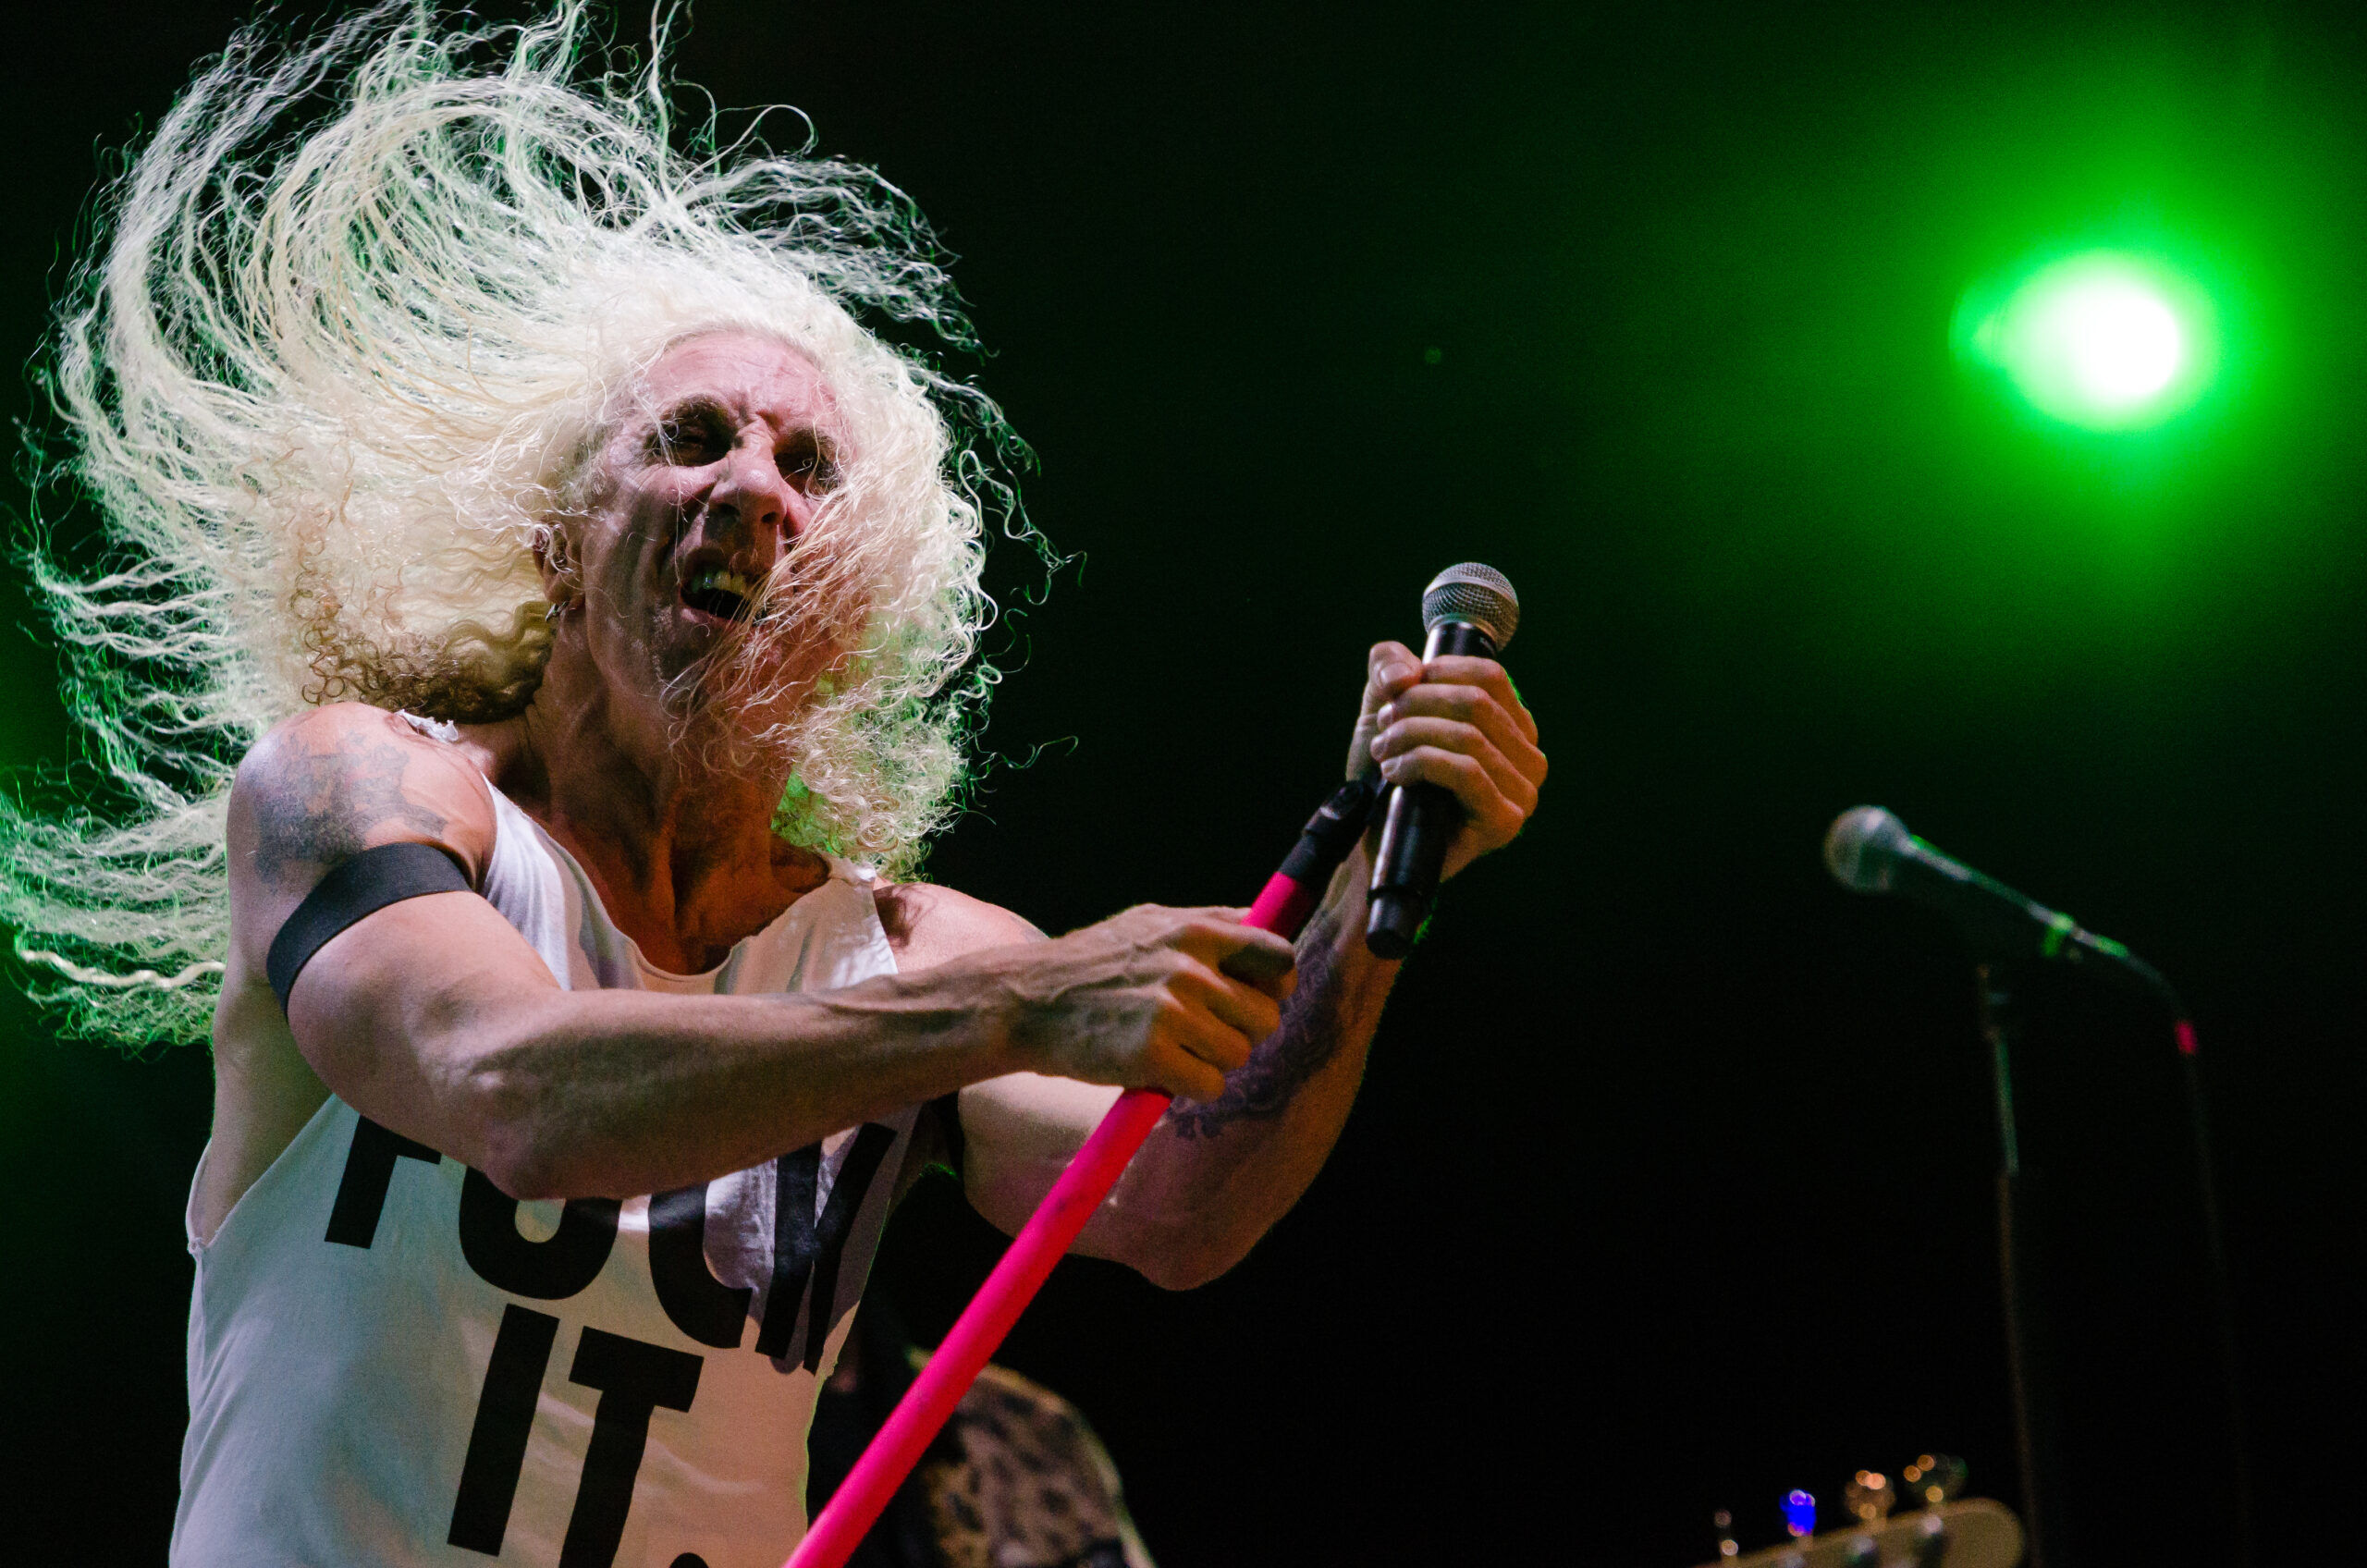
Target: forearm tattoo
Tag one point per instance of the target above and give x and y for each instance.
(318, 807)
(1312, 1030)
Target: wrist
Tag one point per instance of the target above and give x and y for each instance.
(950, 1024)
(1347, 905)
(1349, 891)
(999, 1011)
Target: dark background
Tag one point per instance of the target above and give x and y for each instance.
(1670, 1187)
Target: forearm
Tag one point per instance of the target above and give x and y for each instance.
(554, 1093)
(618, 1093)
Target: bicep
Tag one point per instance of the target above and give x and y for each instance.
(927, 925)
(372, 1009)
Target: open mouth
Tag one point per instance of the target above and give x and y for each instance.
(721, 593)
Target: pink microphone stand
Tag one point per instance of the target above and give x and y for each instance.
(1290, 896)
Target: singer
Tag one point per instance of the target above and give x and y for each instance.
(532, 640)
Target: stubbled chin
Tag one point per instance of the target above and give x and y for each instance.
(707, 663)
(711, 664)
(685, 639)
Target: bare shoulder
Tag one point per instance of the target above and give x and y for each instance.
(332, 782)
(927, 925)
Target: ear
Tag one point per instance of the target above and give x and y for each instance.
(554, 557)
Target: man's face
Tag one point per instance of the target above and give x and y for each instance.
(720, 464)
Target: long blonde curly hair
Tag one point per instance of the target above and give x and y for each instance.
(367, 303)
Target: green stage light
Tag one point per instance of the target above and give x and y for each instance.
(2104, 340)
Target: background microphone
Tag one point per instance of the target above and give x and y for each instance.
(1868, 850)
(1468, 609)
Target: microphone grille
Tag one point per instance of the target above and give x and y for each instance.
(1863, 846)
(1472, 593)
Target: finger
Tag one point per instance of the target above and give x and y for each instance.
(1509, 776)
(1496, 812)
(1452, 735)
(1459, 669)
(1186, 1025)
(1389, 667)
(1225, 914)
(1248, 953)
(1265, 967)
(1485, 807)
(1473, 705)
(1250, 1011)
(1179, 1073)
(1485, 687)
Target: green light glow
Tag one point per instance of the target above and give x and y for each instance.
(2103, 339)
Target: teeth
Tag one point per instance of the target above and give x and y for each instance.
(717, 578)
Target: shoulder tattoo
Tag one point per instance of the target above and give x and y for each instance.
(319, 806)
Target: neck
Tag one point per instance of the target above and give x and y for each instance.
(681, 852)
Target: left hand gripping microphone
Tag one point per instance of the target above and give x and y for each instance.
(1468, 610)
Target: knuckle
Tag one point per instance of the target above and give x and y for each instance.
(1430, 737)
(1479, 672)
(1447, 727)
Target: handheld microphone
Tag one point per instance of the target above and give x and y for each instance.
(1868, 850)
(1469, 610)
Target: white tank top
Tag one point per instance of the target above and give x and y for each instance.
(389, 1362)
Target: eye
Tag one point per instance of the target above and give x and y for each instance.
(689, 439)
(808, 462)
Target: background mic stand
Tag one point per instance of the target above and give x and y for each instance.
(2033, 1410)
(1869, 851)
(2027, 1358)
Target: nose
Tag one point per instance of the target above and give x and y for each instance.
(751, 505)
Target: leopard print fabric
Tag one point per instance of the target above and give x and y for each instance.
(1033, 1488)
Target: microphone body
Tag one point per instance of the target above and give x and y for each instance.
(1467, 610)
(1421, 820)
(1869, 851)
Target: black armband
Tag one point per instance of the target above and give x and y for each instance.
(362, 886)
